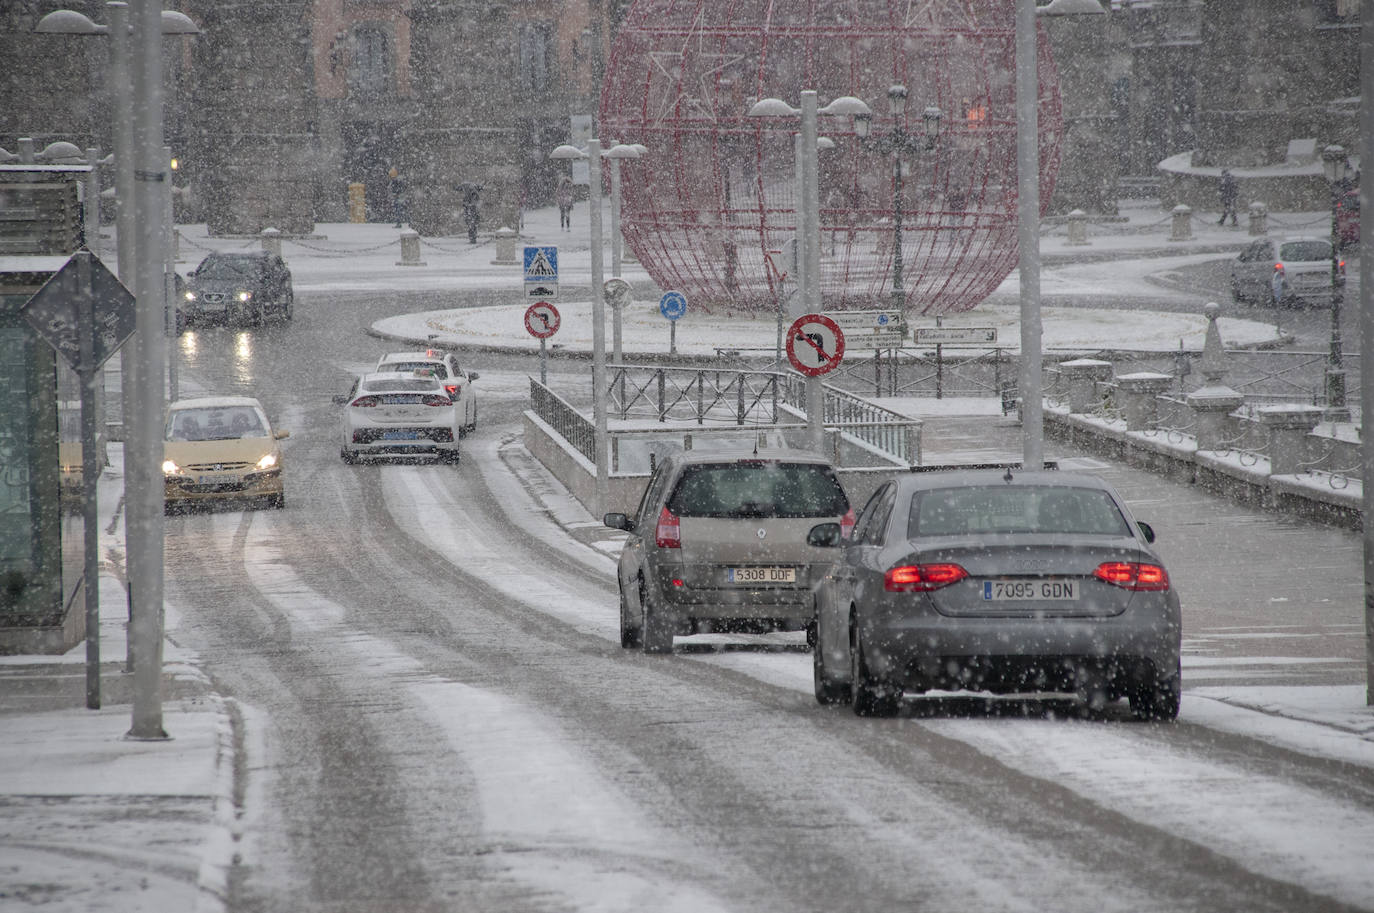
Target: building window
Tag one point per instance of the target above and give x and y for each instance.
(533, 47)
(370, 70)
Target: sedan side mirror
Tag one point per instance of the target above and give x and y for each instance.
(340, 399)
(618, 521)
(824, 535)
(1147, 530)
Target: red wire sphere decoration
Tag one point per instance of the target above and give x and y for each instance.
(715, 197)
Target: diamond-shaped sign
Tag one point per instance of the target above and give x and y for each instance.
(55, 310)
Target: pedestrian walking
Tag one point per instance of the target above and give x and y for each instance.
(1228, 193)
(472, 207)
(397, 185)
(564, 196)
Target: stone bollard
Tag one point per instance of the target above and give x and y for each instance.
(1139, 394)
(1259, 219)
(271, 241)
(410, 248)
(1078, 229)
(1213, 401)
(1183, 223)
(505, 245)
(1083, 376)
(1288, 426)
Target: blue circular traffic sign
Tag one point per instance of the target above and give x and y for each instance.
(672, 305)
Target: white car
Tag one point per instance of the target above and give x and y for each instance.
(1285, 272)
(399, 414)
(445, 366)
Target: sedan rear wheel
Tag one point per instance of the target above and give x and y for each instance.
(871, 696)
(656, 631)
(1157, 699)
(347, 456)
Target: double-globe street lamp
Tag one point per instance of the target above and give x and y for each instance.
(593, 155)
(896, 143)
(142, 178)
(810, 210)
(1336, 165)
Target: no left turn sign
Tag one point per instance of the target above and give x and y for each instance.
(541, 319)
(815, 344)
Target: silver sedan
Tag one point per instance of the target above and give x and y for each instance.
(999, 581)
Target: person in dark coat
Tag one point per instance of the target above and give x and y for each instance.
(564, 196)
(1228, 193)
(472, 207)
(397, 186)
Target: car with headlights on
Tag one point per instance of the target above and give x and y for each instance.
(407, 414)
(221, 449)
(444, 365)
(1001, 581)
(244, 287)
(719, 542)
(1286, 272)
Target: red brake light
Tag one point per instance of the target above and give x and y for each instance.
(921, 578)
(364, 402)
(847, 523)
(668, 532)
(435, 399)
(453, 389)
(1131, 575)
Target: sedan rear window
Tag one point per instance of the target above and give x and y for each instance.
(1305, 250)
(758, 489)
(1014, 509)
(421, 384)
(429, 367)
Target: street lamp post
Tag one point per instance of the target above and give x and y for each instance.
(599, 443)
(615, 155)
(896, 142)
(1030, 380)
(1336, 164)
(809, 250)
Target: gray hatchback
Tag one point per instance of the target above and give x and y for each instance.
(1001, 581)
(719, 542)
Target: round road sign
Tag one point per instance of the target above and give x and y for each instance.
(541, 319)
(815, 344)
(672, 305)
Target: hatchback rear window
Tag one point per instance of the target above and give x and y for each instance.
(1305, 250)
(758, 489)
(1014, 509)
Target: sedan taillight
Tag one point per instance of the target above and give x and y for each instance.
(1132, 575)
(435, 400)
(668, 531)
(921, 578)
(364, 402)
(453, 389)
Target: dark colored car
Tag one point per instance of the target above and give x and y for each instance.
(245, 287)
(719, 543)
(1000, 581)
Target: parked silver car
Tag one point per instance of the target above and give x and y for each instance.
(1284, 272)
(719, 541)
(1001, 581)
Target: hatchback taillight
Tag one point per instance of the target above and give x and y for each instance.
(668, 531)
(1132, 575)
(921, 578)
(364, 402)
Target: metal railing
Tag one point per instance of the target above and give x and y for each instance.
(559, 415)
(738, 396)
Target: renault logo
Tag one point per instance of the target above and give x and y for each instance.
(762, 532)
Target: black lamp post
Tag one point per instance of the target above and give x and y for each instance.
(894, 143)
(1335, 163)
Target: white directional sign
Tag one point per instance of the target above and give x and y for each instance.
(954, 336)
(870, 329)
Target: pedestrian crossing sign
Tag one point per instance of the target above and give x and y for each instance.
(541, 264)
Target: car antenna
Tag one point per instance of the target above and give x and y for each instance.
(756, 445)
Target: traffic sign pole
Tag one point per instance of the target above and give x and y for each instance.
(90, 474)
